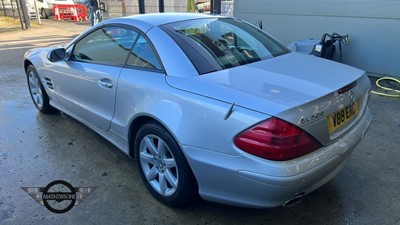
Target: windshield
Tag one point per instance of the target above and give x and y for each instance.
(221, 43)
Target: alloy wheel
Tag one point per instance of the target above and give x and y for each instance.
(158, 165)
(36, 91)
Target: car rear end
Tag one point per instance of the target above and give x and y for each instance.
(334, 123)
(287, 155)
(311, 114)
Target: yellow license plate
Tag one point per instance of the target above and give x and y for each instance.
(341, 117)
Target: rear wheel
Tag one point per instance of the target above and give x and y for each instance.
(163, 166)
(37, 92)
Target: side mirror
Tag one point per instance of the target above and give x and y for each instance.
(56, 55)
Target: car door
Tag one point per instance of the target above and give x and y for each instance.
(86, 83)
(139, 83)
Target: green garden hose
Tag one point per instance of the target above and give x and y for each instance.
(388, 92)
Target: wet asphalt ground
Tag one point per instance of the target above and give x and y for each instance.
(37, 149)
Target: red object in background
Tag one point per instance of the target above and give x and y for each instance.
(77, 12)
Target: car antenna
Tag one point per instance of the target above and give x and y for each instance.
(230, 111)
(260, 24)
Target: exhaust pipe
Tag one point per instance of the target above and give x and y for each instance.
(293, 201)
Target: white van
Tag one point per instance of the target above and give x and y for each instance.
(45, 7)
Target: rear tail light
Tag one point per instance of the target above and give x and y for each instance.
(276, 139)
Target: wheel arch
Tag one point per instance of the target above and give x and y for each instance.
(139, 122)
(190, 184)
(142, 120)
(27, 63)
(133, 130)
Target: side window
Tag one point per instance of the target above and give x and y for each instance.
(142, 55)
(107, 45)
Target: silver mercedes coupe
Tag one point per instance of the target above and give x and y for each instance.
(207, 105)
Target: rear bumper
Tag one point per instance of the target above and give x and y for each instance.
(249, 181)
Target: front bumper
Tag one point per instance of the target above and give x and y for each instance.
(250, 181)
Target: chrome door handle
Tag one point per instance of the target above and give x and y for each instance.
(104, 82)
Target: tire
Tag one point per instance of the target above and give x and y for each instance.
(163, 166)
(37, 92)
(43, 14)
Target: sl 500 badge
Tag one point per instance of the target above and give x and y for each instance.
(317, 115)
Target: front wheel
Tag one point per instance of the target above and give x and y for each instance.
(163, 166)
(37, 92)
(43, 14)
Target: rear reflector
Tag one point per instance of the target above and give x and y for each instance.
(276, 139)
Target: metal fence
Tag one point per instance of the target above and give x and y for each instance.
(16, 9)
(116, 8)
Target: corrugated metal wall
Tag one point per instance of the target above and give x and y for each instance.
(373, 27)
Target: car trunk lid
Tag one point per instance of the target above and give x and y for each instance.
(295, 87)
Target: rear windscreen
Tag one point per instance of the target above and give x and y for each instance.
(223, 43)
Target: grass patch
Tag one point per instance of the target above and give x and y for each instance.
(9, 22)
